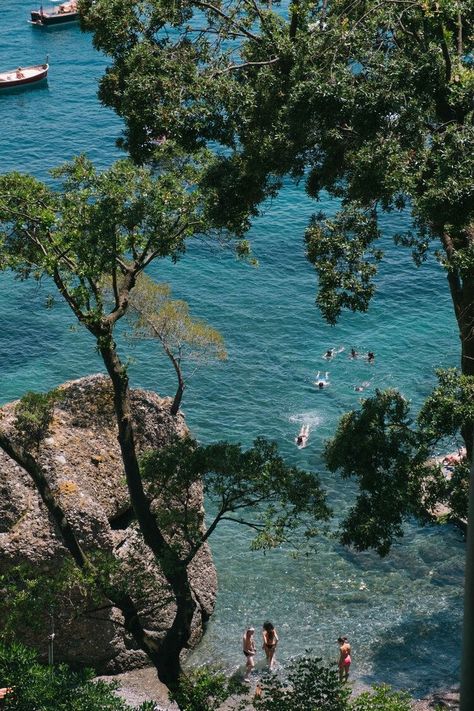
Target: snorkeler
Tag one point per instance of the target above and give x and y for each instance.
(322, 382)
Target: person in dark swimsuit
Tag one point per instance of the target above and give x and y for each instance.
(270, 641)
(249, 649)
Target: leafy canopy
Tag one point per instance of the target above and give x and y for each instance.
(371, 102)
(251, 487)
(394, 459)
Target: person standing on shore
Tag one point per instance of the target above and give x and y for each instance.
(344, 658)
(249, 649)
(270, 641)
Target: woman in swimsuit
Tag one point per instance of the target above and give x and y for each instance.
(249, 649)
(344, 658)
(270, 641)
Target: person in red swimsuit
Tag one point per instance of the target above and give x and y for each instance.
(344, 658)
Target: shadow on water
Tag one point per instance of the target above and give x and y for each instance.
(42, 84)
(429, 643)
(61, 26)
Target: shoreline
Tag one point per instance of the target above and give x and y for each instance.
(140, 685)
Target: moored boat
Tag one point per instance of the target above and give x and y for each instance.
(58, 15)
(23, 75)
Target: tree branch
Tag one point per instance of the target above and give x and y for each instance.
(220, 13)
(231, 67)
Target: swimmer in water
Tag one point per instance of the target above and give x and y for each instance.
(360, 388)
(321, 382)
(353, 354)
(302, 437)
(370, 357)
(329, 355)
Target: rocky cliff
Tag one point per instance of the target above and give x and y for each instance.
(82, 459)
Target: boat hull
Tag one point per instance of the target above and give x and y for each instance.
(45, 19)
(9, 80)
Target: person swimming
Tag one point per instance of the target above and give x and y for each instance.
(322, 382)
(353, 353)
(370, 357)
(333, 352)
(302, 437)
(360, 388)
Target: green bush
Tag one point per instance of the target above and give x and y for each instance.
(205, 689)
(310, 685)
(382, 698)
(37, 687)
(34, 414)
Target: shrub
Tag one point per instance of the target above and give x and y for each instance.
(309, 686)
(205, 689)
(41, 688)
(382, 698)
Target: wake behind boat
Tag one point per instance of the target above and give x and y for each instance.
(58, 15)
(23, 75)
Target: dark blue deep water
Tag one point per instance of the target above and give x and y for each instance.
(403, 614)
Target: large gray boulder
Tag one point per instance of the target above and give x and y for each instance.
(82, 458)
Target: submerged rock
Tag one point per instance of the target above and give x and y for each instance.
(81, 457)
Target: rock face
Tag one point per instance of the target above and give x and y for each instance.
(82, 459)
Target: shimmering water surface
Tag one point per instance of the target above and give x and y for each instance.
(403, 614)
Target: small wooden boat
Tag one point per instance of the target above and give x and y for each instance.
(23, 75)
(58, 15)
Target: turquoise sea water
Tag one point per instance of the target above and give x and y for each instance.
(403, 614)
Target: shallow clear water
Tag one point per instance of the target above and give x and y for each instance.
(403, 614)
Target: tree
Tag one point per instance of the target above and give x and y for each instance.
(254, 488)
(77, 237)
(183, 338)
(107, 228)
(391, 455)
(371, 102)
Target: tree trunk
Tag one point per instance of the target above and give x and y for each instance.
(178, 635)
(175, 572)
(467, 677)
(178, 397)
(465, 317)
(462, 295)
(466, 327)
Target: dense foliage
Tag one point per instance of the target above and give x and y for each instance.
(205, 689)
(391, 454)
(312, 685)
(369, 102)
(253, 487)
(36, 687)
